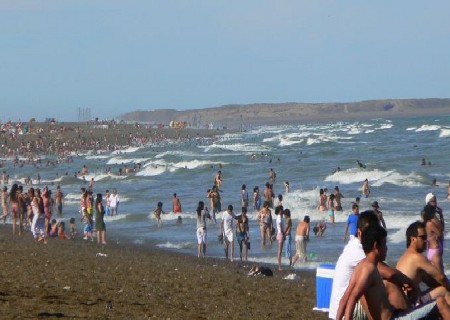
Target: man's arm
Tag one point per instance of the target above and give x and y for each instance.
(358, 285)
(397, 277)
(428, 268)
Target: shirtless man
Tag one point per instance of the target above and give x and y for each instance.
(176, 204)
(218, 179)
(366, 282)
(272, 176)
(377, 211)
(365, 188)
(415, 266)
(59, 196)
(301, 237)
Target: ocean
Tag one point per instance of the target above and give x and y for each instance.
(306, 155)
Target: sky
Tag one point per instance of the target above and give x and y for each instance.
(112, 57)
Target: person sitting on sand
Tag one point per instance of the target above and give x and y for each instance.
(73, 229)
(53, 231)
(367, 282)
(62, 231)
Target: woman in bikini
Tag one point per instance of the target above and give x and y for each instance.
(16, 209)
(434, 230)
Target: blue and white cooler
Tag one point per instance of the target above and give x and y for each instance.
(324, 284)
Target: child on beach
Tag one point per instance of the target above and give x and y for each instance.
(62, 231)
(73, 229)
(88, 227)
(157, 213)
(53, 232)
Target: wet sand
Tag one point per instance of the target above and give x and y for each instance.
(68, 279)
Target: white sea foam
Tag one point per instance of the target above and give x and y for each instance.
(122, 160)
(428, 127)
(120, 216)
(97, 157)
(376, 177)
(445, 132)
(127, 150)
(176, 245)
(100, 177)
(239, 147)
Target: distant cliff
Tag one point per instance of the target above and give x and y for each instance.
(235, 116)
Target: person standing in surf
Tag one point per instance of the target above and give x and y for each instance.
(176, 204)
(365, 189)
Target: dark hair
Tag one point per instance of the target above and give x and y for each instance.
(316, 229)
(160, 204)
(306, 219)
(354, 206)
(374, 233)
(243, 187)
(367, 218)
(244, 209)
(321, 191)
(13, 192)
(278, 210)
(266, 204)
(428, 213)
(287, 213)
(412, 231)
(200, 207)
(280, 197)
(99, 198)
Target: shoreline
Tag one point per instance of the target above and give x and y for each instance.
(66, 278)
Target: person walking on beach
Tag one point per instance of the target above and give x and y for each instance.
(176, 204)
(365, 189)
(5, 208)
(281, 229)
(59, 196)
(99, 222)
(244, 196)
(227, 230)
(265, 223)
(301, 238)
(16, 209)
(114, 201)
(243, 233)
(287, 241)
(202, 215)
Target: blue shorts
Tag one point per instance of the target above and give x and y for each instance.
(287, 245)
(240, 236)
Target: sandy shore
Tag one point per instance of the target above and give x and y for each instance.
(67, 278)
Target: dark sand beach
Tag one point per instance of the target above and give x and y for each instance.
(68, 279)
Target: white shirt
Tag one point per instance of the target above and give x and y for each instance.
(353, 253)
(113, 200)
(280, 223)
(227, 219)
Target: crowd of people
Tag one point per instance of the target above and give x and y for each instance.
(364, 286)
(35, 209)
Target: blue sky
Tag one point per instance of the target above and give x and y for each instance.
(117, 56)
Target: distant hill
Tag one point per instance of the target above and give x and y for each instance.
(237, 115)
